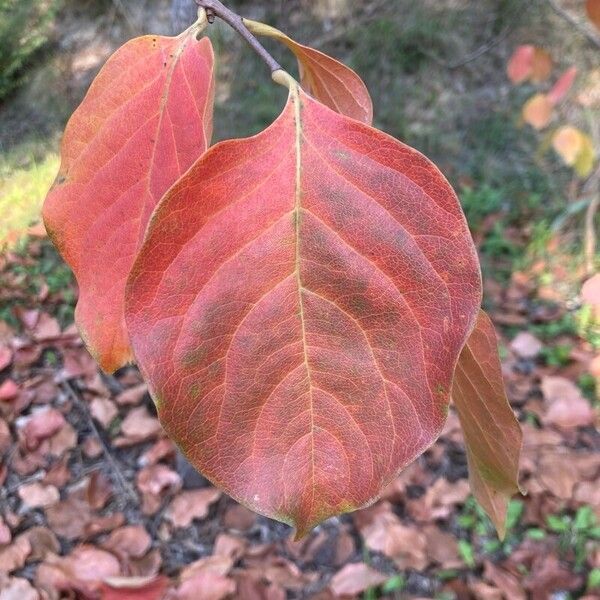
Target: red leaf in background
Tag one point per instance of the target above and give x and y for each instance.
(328, 80)
(492, 433)
(529, 62)
(561, 88)
(298, 308)
(146, 118)
(593, 12)
(519, 65)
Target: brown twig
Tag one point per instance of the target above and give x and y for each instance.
(125, 486)
(590, 230)
(215, 8)
(559, 10)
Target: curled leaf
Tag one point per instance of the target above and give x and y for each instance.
(492, 433)
(298, 308)
(145, 119)
(328, 80)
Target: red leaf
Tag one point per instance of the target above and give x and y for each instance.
(492, 433)
(561, 88)
(519, 65)
(593, 12)
(328, 80)
(146, 118)
(298, 308)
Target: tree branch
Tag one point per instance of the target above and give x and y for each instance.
(215, 8)
(559, 10)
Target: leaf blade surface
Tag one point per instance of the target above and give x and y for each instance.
(328, 80)
(145, 119)
(492, 433)
(312, 287)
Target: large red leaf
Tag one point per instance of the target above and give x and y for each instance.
(492, 433)
(325, 78)
(146, 118)
(298, 308)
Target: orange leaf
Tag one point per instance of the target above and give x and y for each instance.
(537, 111)
(568, 142)
(593, 11)
(145, 119)
(520, 64)
(328, 80)
(561, 88)
(492, 433)
(541, 65)
(575, 148)
(298, 307)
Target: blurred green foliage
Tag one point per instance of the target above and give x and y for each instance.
(25, 26)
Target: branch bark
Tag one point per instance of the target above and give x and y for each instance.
(215, 8)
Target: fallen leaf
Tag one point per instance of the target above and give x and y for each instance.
(139, 425)
(526, 345)
(41, 425)
(6, 356)
(13, 556)
(9, 390)
(43, 542)
(230, 546)
(504, 581)
(134, 588)
(46, 328)
(131, 541)
(156, 478)
(548, 575)
(566, 405)
(103, 410)
(190, 505)
(207, 586)
(69, 518)
(16, 588)
(442, 547)
(355, 578)
(132, 395)
(83, 570)
(386, 534)
(590, 293)
(38, 495)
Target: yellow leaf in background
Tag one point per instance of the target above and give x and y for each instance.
(584, 165)
(593, 12)
(537, 111)
(568, 142)
(575, 148)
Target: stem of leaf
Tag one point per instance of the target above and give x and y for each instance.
(215, 8)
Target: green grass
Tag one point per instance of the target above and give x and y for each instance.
(25, 178)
